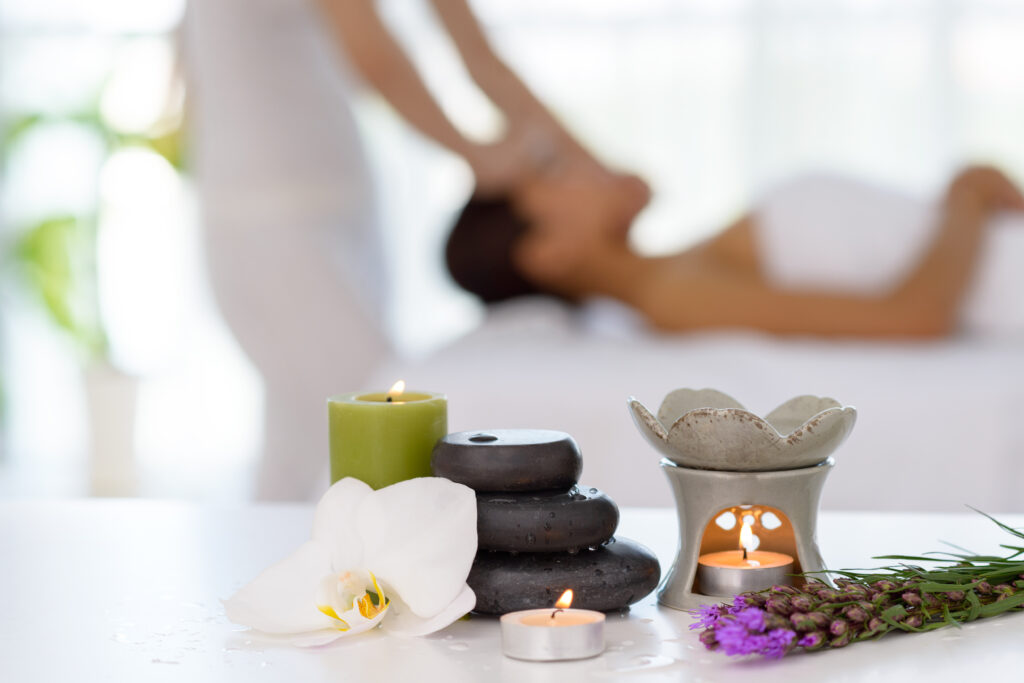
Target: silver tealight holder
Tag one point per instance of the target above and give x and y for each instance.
(747, 488)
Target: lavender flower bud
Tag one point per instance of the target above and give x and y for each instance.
(812, 641)
(955, 596)
(779, 604)
(914, 620)
(774, 621)
(820, 619)
(931, 601)
(708, 638)
(827, 595)
(756, 599)
(984, 588)
(838, 627)
(875, 625)
(880, 599)
(802, 603)
(856, 614)
(787, 590)
(1003, 589)
(857, 589)
(912, 599)
(802, 622)
(883, 585)
(840, 641)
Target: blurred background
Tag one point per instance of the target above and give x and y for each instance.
(117, 373)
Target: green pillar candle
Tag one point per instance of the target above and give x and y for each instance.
(385, 437)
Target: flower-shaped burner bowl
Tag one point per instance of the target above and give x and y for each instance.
(706, 429)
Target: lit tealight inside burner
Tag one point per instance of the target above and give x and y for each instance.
(730, 572)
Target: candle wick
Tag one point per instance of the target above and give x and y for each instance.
(556, 612)
(390, 399)
(744, 552)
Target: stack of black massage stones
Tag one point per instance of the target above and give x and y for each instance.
(539, 532)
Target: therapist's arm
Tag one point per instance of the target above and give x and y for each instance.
(377, 55)
(526, 116)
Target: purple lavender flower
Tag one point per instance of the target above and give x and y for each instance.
(779, 643)
(838, 627)
(752, 619)
(707, 616)
(734, 639)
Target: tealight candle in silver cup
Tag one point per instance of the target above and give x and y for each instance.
(553, 634)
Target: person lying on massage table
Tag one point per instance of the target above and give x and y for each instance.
(871, 263)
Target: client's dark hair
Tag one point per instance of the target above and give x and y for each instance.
(479, 250)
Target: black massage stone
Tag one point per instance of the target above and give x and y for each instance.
(611, 577)
(549, 521)
(509, 460)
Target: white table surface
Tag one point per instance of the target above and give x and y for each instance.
(128, 591)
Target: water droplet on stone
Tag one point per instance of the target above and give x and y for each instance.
(593, 490)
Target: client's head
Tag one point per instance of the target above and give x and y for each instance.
(480, 250)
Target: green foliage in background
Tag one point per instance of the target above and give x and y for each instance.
(56, 259)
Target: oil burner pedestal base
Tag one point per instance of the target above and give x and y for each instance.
(702, 495)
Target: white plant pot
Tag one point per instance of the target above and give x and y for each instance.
(111, 398)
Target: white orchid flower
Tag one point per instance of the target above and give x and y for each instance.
(398, 557)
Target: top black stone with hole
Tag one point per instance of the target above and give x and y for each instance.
(509, 460)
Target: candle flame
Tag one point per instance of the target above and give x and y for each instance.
(747, 537)
(396, 389)
(565, 601)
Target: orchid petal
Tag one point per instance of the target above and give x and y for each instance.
(283, 598)
(334, 523)
(403, 621)
(420, 539)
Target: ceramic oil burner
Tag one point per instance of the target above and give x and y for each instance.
(744, 486)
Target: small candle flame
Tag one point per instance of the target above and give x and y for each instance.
(396, 390)
(747, 537)
(565, 601)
